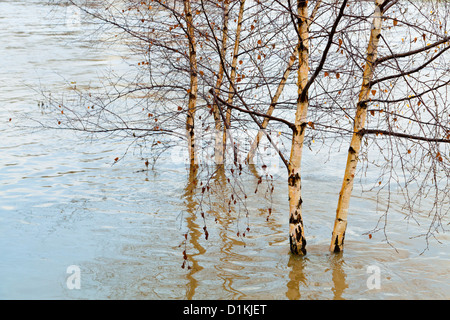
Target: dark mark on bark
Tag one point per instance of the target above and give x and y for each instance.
(293, 179)
(336, 245)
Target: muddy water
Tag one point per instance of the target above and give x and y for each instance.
(64, 203)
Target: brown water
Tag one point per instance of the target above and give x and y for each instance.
(63, 203)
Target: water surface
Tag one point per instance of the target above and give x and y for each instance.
(63, 201)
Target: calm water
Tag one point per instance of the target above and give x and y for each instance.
(63, 203)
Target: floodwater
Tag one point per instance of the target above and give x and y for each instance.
(63, 202)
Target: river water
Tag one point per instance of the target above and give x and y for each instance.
(63, 202)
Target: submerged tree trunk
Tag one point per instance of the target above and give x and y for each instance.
(218, 146)
(340, 225)
(296, 231)
(190, 125)
(233, 72)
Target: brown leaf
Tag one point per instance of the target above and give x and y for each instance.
(395, 22)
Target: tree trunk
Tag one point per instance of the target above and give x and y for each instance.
(218, 146)
(254, 146)
(340, 225)
(296, 231)
(190, 126)
(233, 72)
(292, 58)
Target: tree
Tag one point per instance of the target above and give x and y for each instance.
(434, 132)
(195, 61)
(193, 88)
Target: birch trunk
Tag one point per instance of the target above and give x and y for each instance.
(233, 72)
(296, 230)
(190, 126)
(340, 225)
(218, 147)
(254, 146)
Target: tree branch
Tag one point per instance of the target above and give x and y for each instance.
(362, 132)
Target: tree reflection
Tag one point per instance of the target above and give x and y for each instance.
(194, 234)
(338, 276)
(297, 276)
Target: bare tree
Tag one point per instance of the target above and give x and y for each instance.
(375, 73)
(400, 118)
